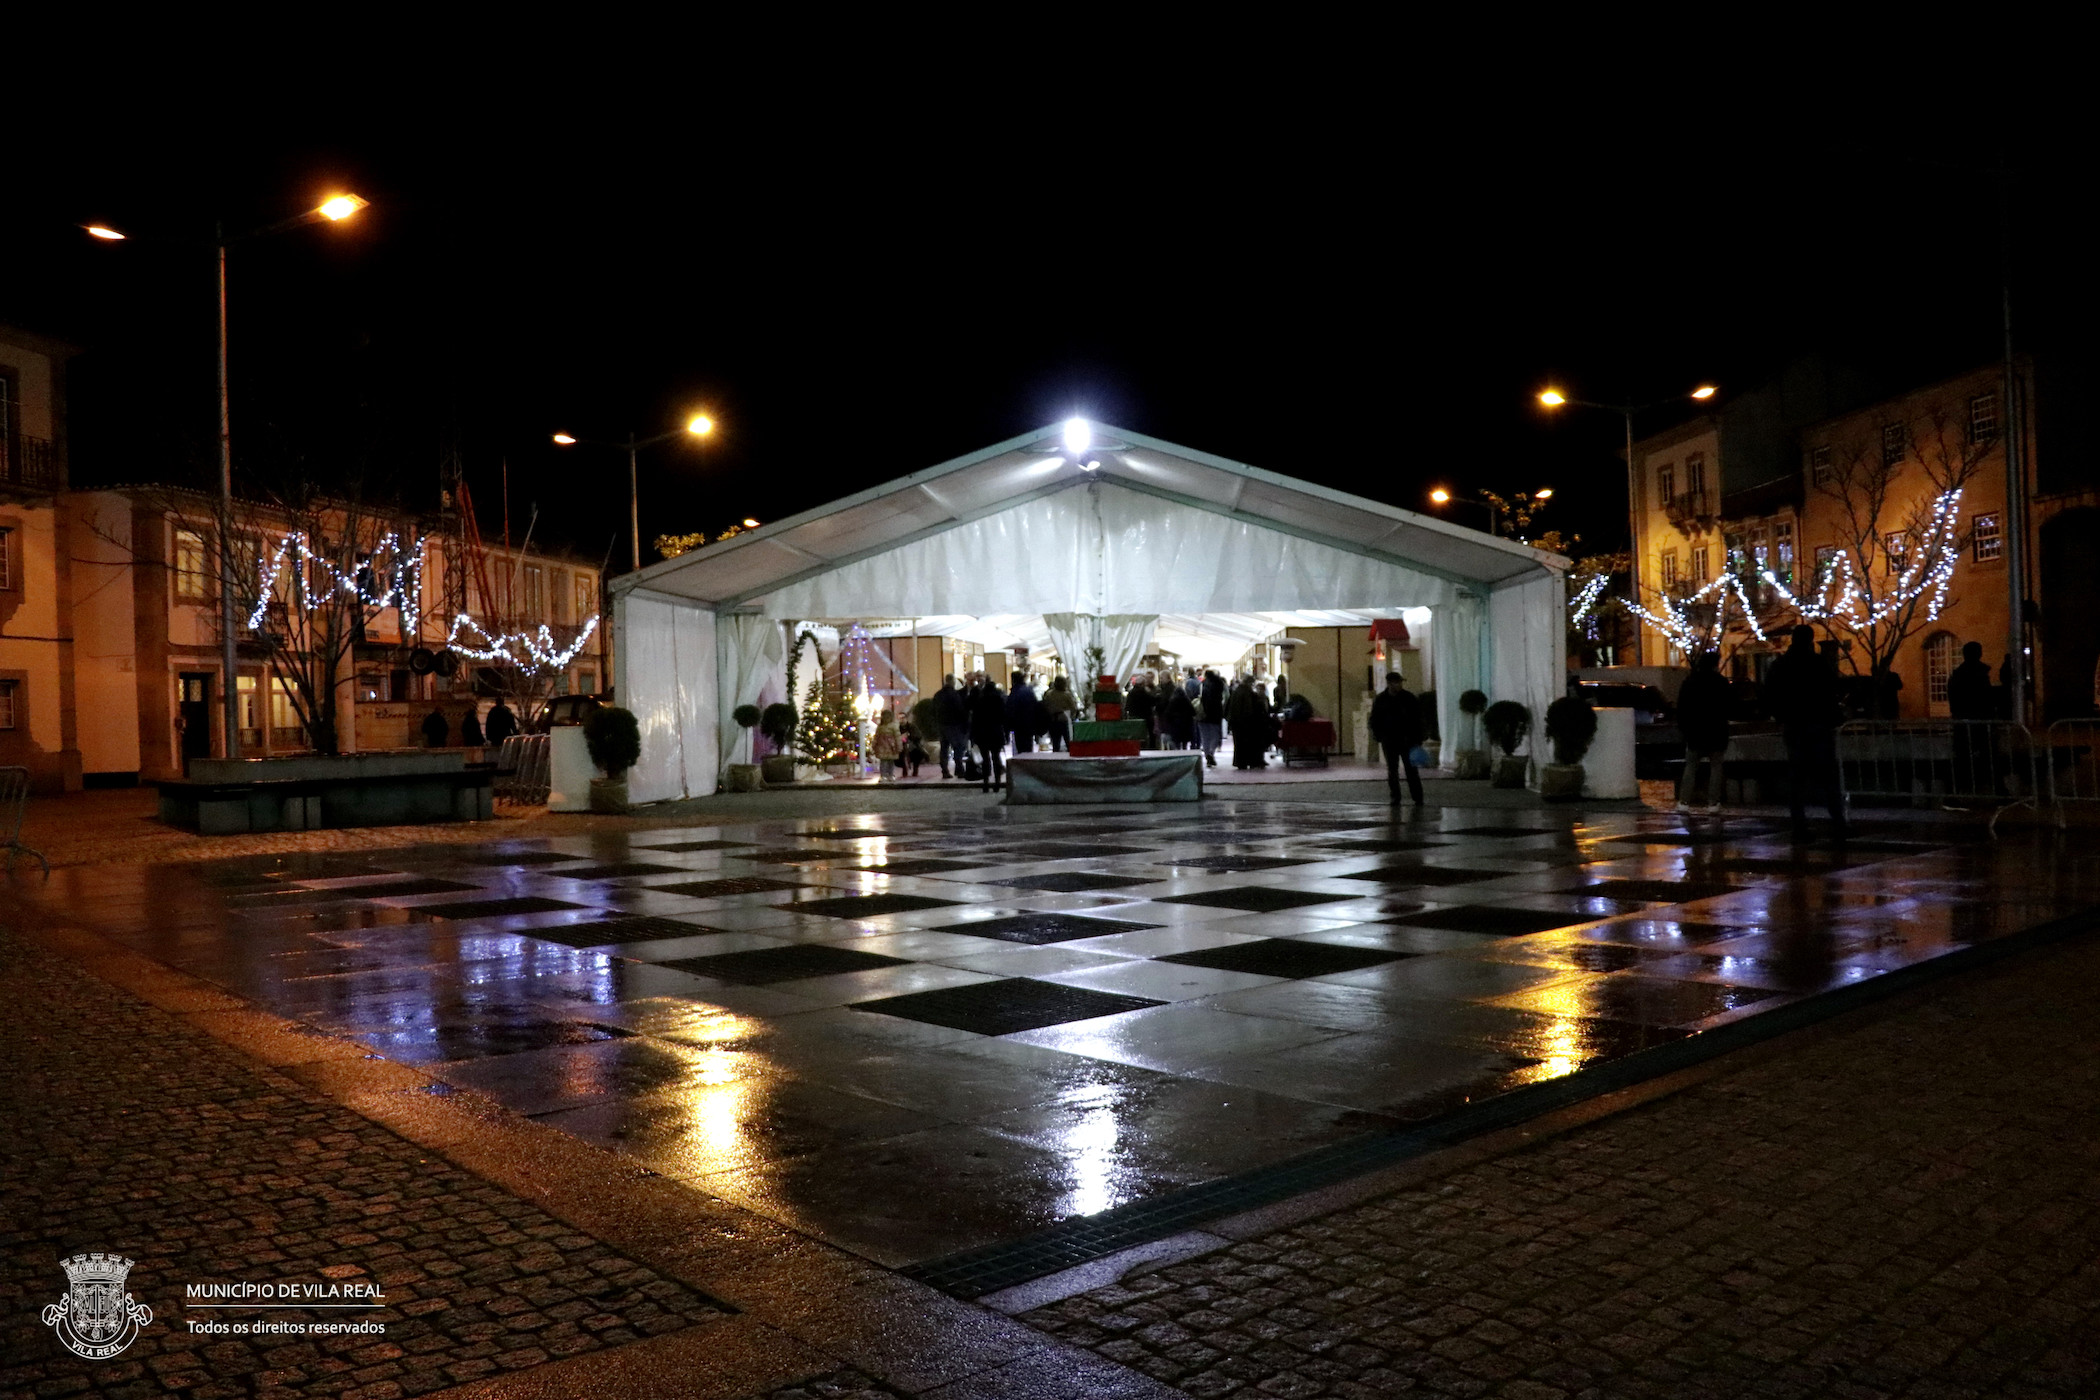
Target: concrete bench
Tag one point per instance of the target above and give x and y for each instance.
(225, 796)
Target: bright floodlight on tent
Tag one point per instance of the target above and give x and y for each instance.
(1079, 436)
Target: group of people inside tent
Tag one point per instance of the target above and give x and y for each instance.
(972, 723)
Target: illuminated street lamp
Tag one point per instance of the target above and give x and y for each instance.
(1494, 505)
(334, 210)
(699, 425)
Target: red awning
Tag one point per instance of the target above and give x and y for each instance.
(1389, 629)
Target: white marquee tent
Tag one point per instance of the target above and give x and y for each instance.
(1116, 544)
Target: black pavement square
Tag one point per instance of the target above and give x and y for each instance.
(921, 867)
(759, 966)
(617, 870)
(804, 857)
(403, 889)
(1424, 875)
(1043, 928)
(500, 859)
(1383, 847)
(1666, 891)
(1255, 899)
(1285, 957)
(738, 884)
(1237, 865)
(1067, 850)
(1498, 830)
(1690, 838)
(1072, 882)
(1656, 1002)
(867, 906)
(598, 933)
(1005, 1006)
(684, 846)
(491, 908)
(1489, 918)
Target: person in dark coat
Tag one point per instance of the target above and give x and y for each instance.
(952, 710)
(1803, 692)
(501, 723)
(1396, 723)
(1702, 717)
(470, 729)
(1179, 723)
(988, 732)
(1141, 703)
(436, 729)
(1024, 714)
(1247, 716)
(1210, 716)
(1971, 696)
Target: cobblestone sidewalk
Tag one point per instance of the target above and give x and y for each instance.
(1910, 1207)
(129, 1132)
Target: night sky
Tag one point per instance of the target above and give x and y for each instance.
(1337, 290)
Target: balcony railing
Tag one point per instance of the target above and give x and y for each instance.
(31, 463)
(1689, 505)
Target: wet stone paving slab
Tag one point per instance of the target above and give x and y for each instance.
(915, 1036)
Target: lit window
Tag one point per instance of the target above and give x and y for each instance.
(1983, 418)
(586, 681)
(1695, 475)
(535, 594)
(1819, 469)
(7, 704)
(1989, 543)
(1699, 574)
(1666, 483)
(1826, 563)
(1939, 665)
(561, 595)
(1783, 550)
(1898, 546)
(1895, 444)
(1669, 567)
(1760, 555)
(192, 566)
(586, 597)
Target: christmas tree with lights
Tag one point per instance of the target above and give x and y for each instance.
(830, 730)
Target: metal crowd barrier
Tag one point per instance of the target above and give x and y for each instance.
(14, 806)
(521, 769)
(1950, 763)
(2073, 747)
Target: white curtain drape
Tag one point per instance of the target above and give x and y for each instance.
(1124, 637)
(1454, 649)
(665, 656)
(749, 650)
(1528, 643)
(1070, 635)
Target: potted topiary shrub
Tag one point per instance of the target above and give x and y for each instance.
(1570, 726)
(1508, 726)
(777, 722)
(744, 777)
(614, 738)
(1472, 759)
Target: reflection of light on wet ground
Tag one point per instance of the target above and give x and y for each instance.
(1088, 1145)
(1561, 1050)
(716, 1118)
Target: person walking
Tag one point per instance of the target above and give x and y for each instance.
(988, 732)
(1702, 717)
(1210, 716)
(952, 712)
(470, 728)
(436, 728)
(1396, 723)
(1803, 692)
(1023, 714)
(1059, 706)
(501, 723)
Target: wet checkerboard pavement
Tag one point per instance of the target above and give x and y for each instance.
(919, 1036)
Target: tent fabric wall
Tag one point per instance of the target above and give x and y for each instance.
(1070, 636)
(667, 678)
(1455, 655)
(749, 652)
(1124, 637)
(1099, 549)
(1528, 641)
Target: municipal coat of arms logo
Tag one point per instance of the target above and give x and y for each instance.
(97, 1318)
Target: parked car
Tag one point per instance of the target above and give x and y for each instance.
(1657, 744)
(569, 709)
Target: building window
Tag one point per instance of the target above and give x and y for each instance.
(1983, 419)
(251, 728)
(1783, 550)
(1988, 542)
(1826, 565)
(586, 601)
(1669, 567)
(1897, 545)
(1819, 469)
(7, 704)
(1699, 574)
(285, 729)
(192, 566)
(1760, 553)
(1695, 475)
(1895, 444)
(1939, 665)
(1666, 483)
(535, 594)
(561, 596)
(586, 680)
(7, 559)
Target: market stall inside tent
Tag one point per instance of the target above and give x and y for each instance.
(1077, 535)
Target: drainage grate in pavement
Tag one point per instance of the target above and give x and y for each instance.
(1255, 899)
(1067, 850)
(868, 906)
(489, 908)
(1073, 882)
(1286, 957)
(756, 967)
(1043, 928)
(601, 932)
(1384, 847)
(793, 857)
(618, 870)
(717, 889)
(1487, 918)
(1236, 865)
(1005, 1006)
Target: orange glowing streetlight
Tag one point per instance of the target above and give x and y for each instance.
(699, 425)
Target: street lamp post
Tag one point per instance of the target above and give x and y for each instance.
(1494, 505)
(699, 425)
(334, 209)
(1554, 398)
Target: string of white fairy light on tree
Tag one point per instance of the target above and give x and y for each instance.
(1929, 569)
(403, 589)
(1584, 604)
